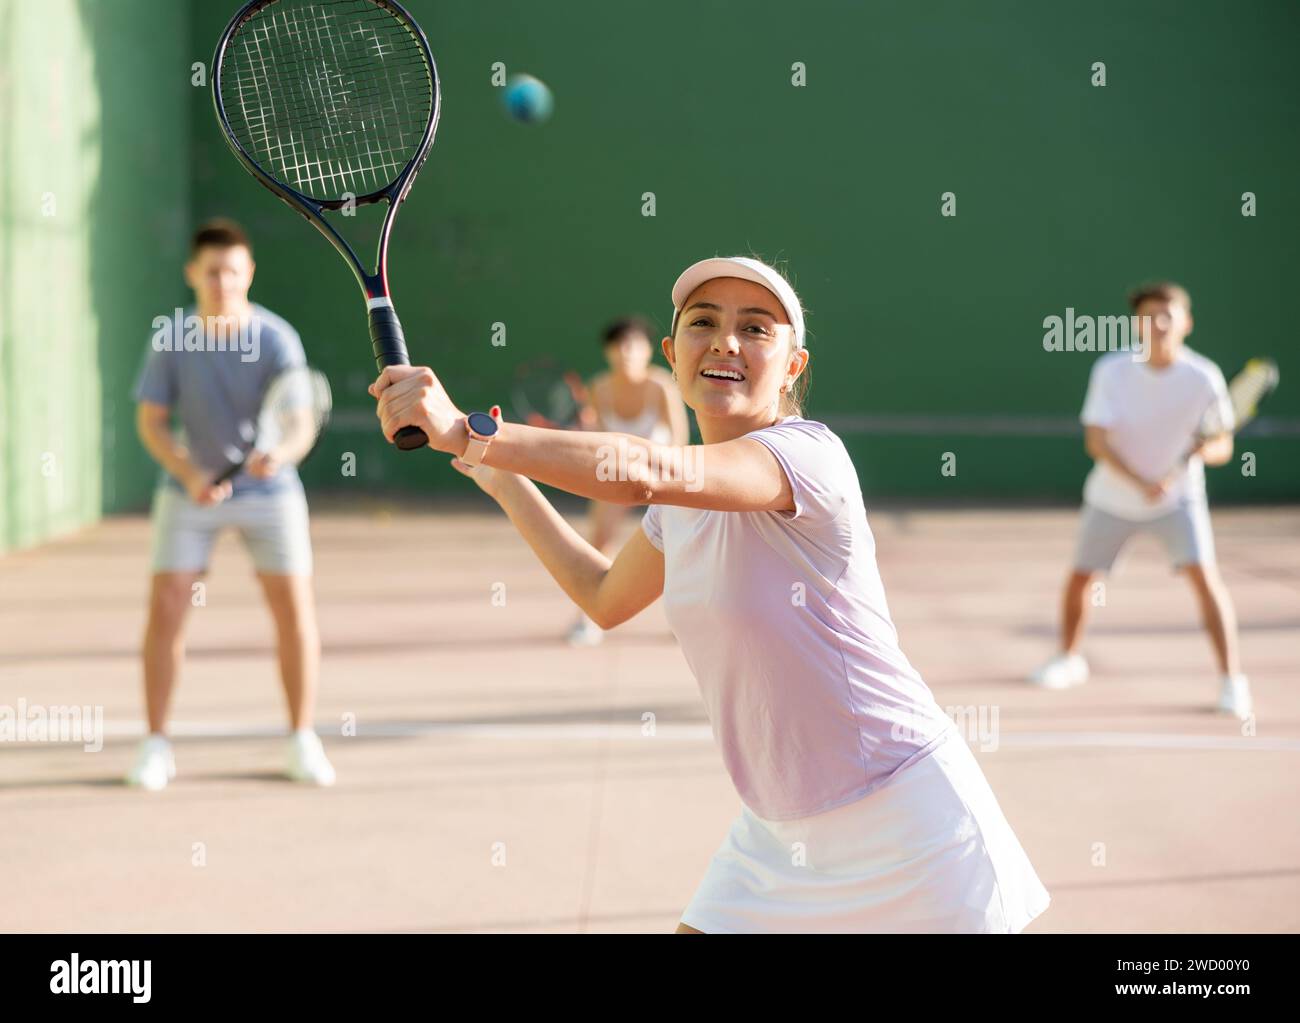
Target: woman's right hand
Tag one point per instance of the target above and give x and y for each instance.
(413, 396)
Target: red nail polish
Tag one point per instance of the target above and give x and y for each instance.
(496, 411)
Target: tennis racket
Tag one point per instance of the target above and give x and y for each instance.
(294, 412)
(1256, 381)
(327, 103)
(544, 393)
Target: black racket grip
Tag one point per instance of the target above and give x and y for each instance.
(389, 345)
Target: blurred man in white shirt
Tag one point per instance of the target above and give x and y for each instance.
(1140, 418)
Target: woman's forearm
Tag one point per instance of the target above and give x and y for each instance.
(613, 467)
(574, 563)
(589, 464)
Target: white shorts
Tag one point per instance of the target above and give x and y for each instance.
(274, 528)
(929, 851)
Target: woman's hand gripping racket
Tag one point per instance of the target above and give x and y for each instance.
(333, 104)
(292, 416)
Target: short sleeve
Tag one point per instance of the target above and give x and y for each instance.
(157, 380)
(652, 526)
(1097, 410)
(814, 460)
(286, 346)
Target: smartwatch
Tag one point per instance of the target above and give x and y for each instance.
(482, 428)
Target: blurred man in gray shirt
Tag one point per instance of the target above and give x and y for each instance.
(209, 366)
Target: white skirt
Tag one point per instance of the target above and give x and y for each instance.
(929, 851)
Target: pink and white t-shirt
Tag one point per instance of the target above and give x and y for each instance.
(783, 621)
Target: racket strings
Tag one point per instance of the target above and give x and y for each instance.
(1245, 392)
(329, 159)
(296, 407)
(333, 97)
(1249, 387)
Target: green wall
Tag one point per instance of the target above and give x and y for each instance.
(94, 203)
(49, 419)
(1066, 195)
(926, 330)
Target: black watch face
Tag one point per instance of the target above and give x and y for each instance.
(482, 424)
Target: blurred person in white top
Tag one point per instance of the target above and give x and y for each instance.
(634, 397)
(1141, 420)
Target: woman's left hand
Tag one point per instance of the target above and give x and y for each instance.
(413, 396)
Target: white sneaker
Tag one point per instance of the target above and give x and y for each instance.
(1234, 696)
(154, 764)
(307, 761)
(585, 632)
(1061, 672)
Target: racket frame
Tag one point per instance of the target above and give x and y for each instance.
(312, 373)
(388, 342)
(1243, 417)
(1269, 375)
(375, 286)
(1273, 377)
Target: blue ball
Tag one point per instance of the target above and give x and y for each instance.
(528, 99)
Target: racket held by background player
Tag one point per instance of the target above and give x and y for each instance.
(544, 393)
(294, 412)
(1255, 382)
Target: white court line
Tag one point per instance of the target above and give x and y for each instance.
(1147, 740)
(697, 733)
(415, 729)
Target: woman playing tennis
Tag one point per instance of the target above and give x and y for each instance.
(862, 807)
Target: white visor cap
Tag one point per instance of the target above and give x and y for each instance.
(747, 270)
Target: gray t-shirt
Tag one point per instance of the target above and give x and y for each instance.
(213, 382)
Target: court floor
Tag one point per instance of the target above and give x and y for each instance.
(492, 779)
